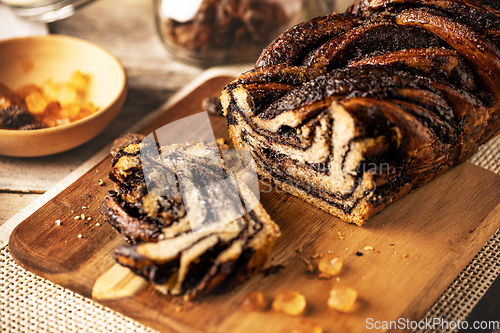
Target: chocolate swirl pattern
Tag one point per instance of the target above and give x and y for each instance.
(150, 205)
(351, 111)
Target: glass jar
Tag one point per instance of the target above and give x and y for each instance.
(45, 10)
(219, 32)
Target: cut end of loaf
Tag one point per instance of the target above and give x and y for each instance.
(339, 182)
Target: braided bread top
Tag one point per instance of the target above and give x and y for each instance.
(425, 70)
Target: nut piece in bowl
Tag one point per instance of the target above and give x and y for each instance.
(32, 60)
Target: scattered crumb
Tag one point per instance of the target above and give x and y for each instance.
(359, 253)
(80, 236)
(89, 218)
(317, 256)
(77, 217)
(100, 182)
(395, 252)
(404, 256)
(307, 262)
(341, 235)
(254, 301)
(324, 276)
(84, 207)
(58, 222)
(299, 249)
(72, 211)
(391, 244)
(272, 270)
(82, 216)
(178, 309)
(368, 248)
(97, 224)
(310, 269)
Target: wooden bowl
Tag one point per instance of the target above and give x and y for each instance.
(35, 59)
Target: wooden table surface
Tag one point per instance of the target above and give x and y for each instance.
(127, 29)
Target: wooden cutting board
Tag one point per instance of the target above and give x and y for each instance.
(420, 244)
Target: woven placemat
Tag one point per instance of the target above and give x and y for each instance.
(29, 303)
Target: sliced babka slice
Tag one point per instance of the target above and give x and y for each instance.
(194, 221)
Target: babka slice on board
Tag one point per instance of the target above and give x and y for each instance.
(193, 222)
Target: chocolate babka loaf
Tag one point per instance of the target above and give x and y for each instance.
(351, 111)
(185, 238)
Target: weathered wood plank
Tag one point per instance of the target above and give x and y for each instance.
(12, 203)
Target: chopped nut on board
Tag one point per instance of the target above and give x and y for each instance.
(342, 298)
(254, 301)
(331, 264)
(289, 302)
